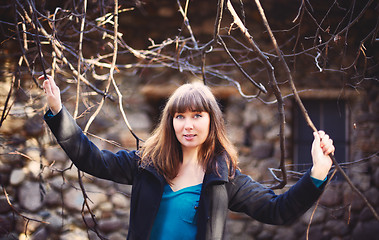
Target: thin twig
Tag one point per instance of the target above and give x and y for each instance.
(86, 205)
(186, 22)
(239, 67)
(220, 10)
(80, 57)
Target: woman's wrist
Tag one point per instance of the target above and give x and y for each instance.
(319, 173)
(56, 110)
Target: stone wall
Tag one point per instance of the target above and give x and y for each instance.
(42, 184)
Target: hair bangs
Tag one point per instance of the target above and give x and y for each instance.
(193, 100)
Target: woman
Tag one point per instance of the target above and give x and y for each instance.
(185, 177)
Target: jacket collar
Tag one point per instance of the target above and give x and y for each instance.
(222, 176)
(151, 169)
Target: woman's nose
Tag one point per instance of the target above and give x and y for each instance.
(188, 124)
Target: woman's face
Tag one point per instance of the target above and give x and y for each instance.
(191, 128)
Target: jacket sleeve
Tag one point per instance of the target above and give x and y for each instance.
(248, 196)
(120, 167)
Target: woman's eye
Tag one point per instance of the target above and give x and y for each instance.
(198, 115)
(179, 116)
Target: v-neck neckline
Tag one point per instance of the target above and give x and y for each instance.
(185, 188)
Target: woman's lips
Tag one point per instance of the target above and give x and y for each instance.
(189, 137)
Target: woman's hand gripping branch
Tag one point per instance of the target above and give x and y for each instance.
(321, 148)
(53, 94)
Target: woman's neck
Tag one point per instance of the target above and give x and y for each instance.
(191, 172)
(190, 156)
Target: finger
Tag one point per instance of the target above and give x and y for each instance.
(330, 147)
(322, 134)
(316, 142)
(326, 137)
(330, 150)
(56, 90)
(317, 137)
(47, 87)
(325, 141)
(327, 144)
(52, 81)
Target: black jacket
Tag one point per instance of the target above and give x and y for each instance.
(218, 194)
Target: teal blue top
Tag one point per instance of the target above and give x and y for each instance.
(318, 182)
(176, 218)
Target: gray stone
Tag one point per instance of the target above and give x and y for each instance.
(352, 199)
(366, 214)
(55, 154)
(116, 236)
(40, 234)
(257, 133)
(253, 228)
(250, 115)
(285, 234)
(241, 236)
(124, 189)
(236, 135)
(262, 150)
(372, 196)
(7, 225)
(93, 236)
(34, 127)
(73, 198)
(315, 233)
(17, 176)
(106, 207)
(337, 227)
(268, 116)
(52, 198)
(74, 234)
(331, 196)
(139, 120)
(5, 169)
(88, 221)
(34, 153)
(366, 230)
(71, 173)
(265, 235)
(318, 216)
(361, 181)
(110, 225)
(263, 168)
(12, 125)
(273, 133)
(32, 225)
(29, 196)
(120, 201)
(4, 205)
(34, 168)
(235, 227)
(58, 183)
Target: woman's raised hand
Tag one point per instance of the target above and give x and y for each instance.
(321, 148)
(53, 94)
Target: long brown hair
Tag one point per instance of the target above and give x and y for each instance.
(164, 151)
